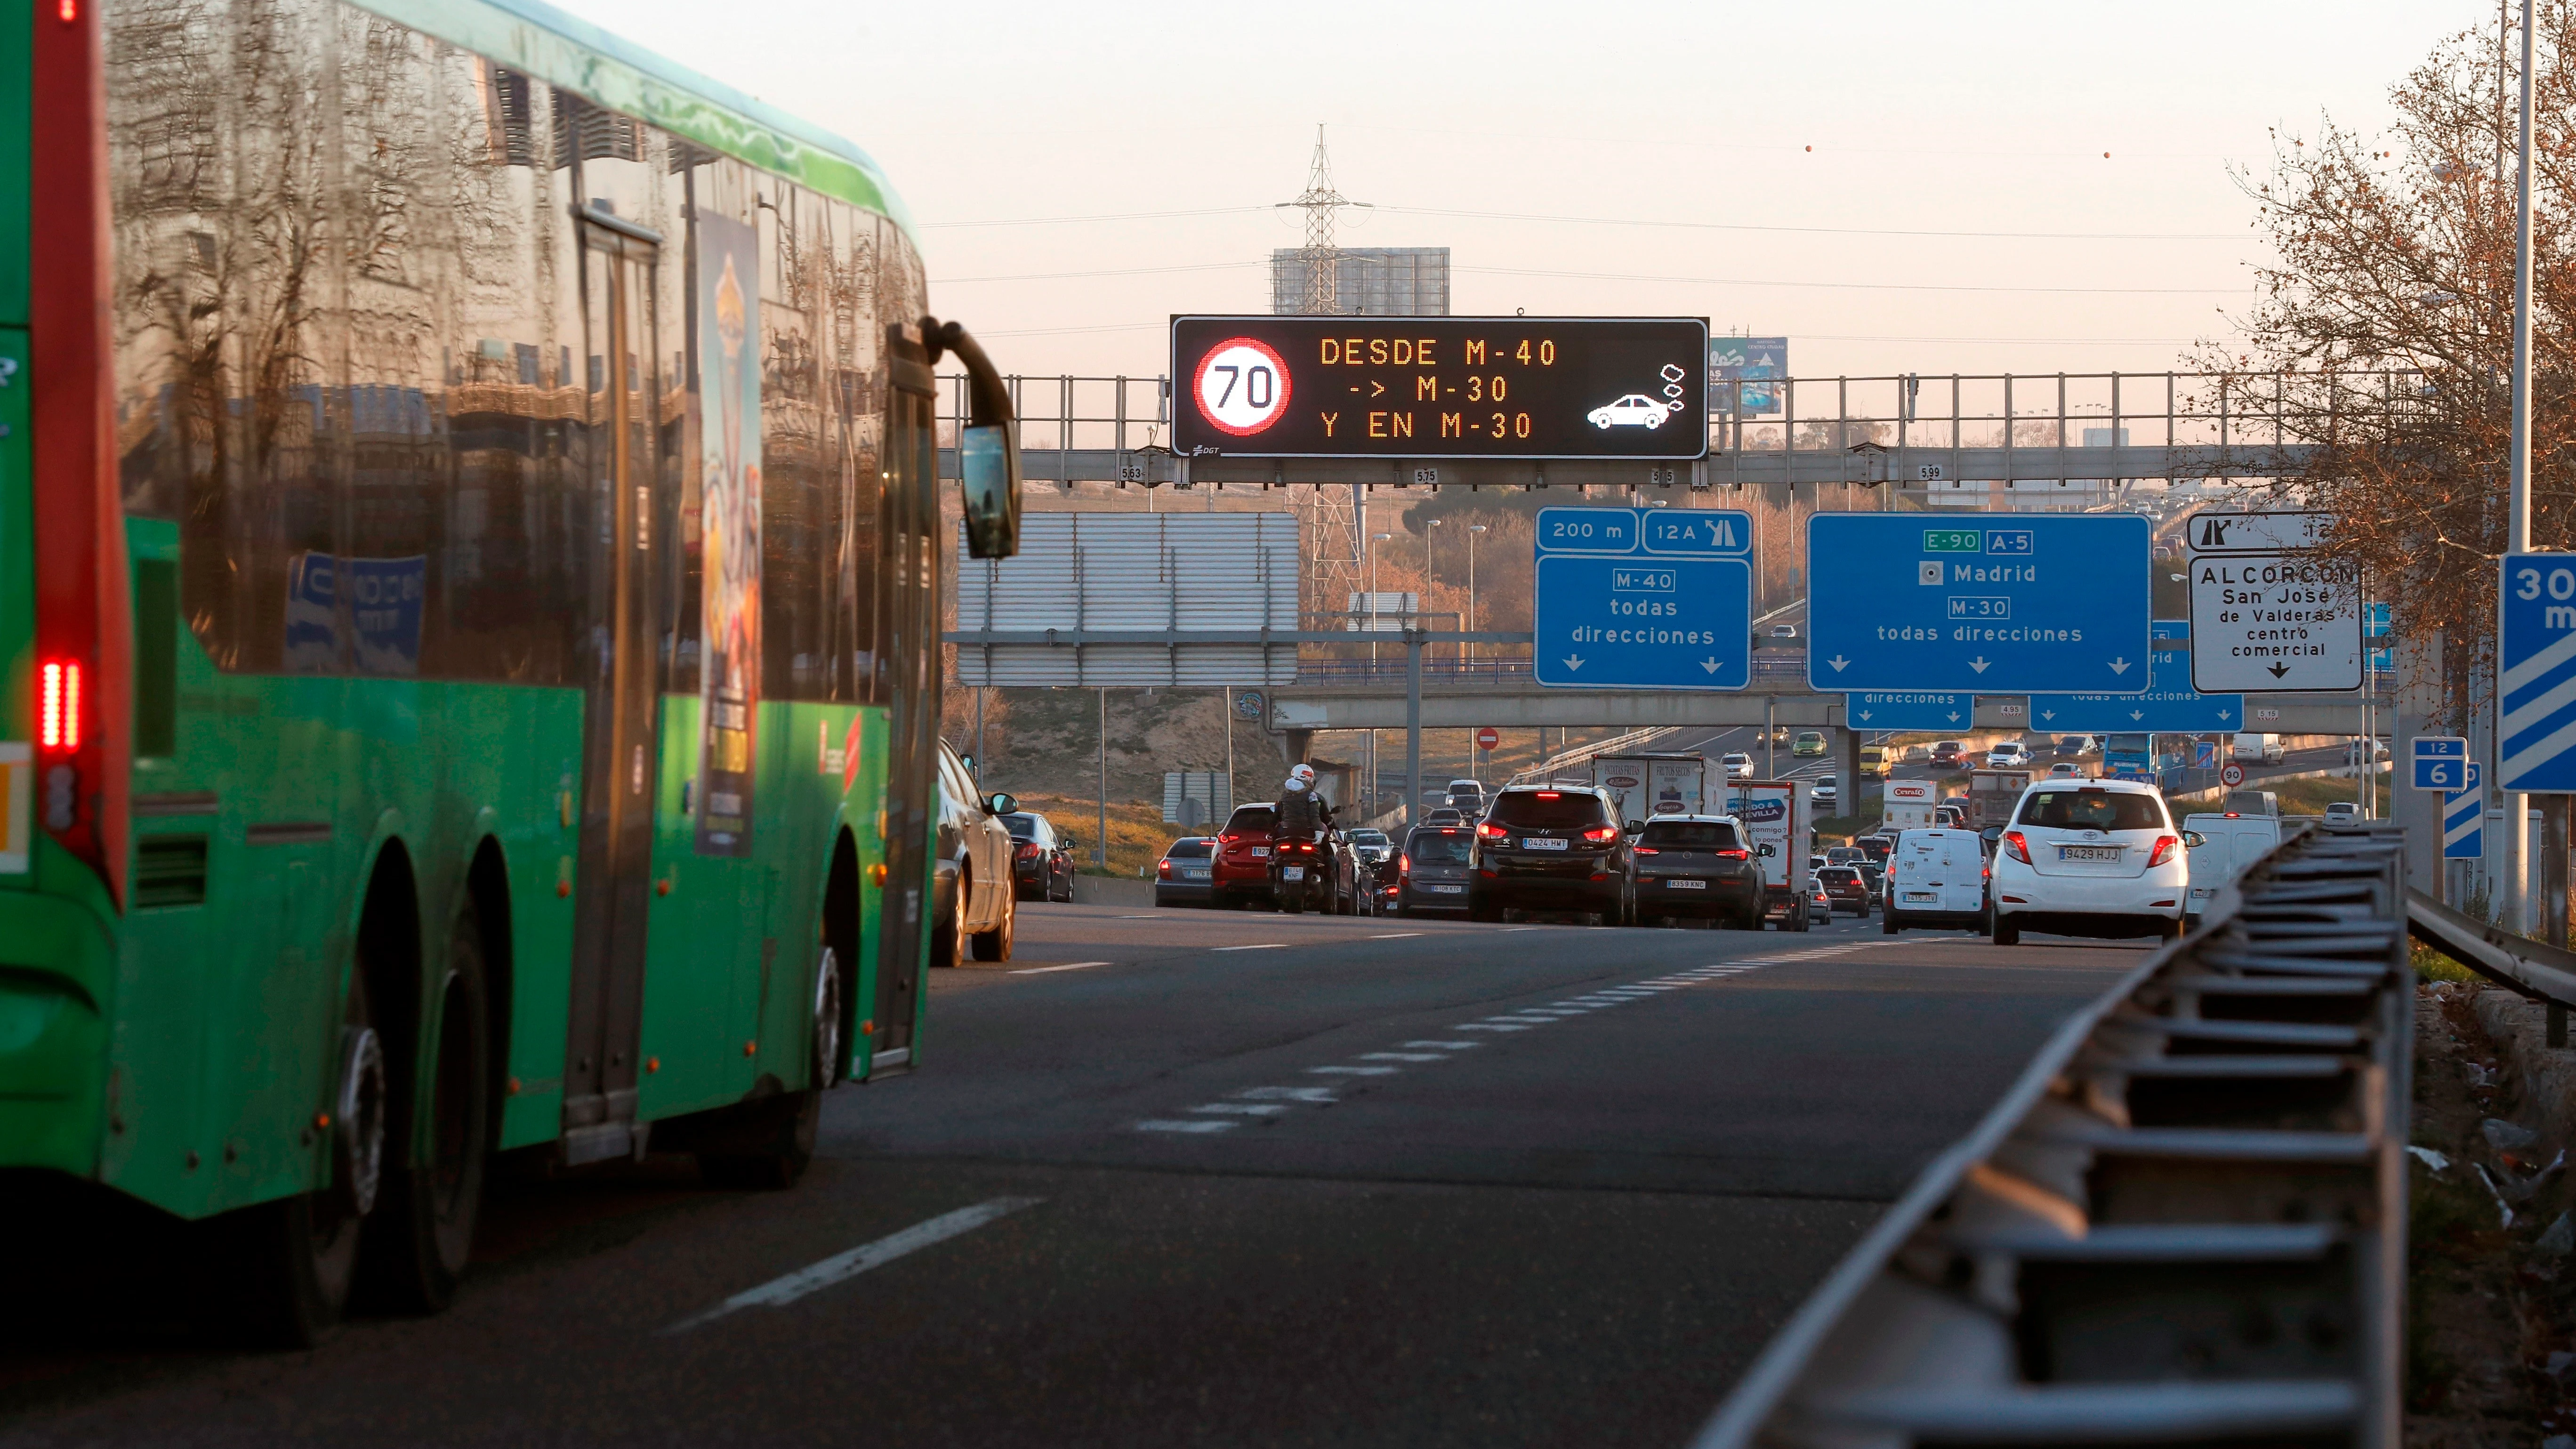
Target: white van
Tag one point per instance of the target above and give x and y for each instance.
(2221, 847)
(2259, 749)
(1936, 879)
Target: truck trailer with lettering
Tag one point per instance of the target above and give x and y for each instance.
(1643, 786)
(1779, 818)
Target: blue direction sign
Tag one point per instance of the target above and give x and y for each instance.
(2536, 668)
(2441, 762)
(2464, 821)
(1910, 711)
(1993, 604)
(2170, 705)
(1644, 598)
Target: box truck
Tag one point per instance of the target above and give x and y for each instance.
(1909, 805)
(1779, 817)
(1643, 786)
(1992, 794)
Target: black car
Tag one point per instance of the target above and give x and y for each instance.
(1431, 874)
(1846, 889)
(1547, 849)
(1183, 877)
(1041, 860)
(1692, 867)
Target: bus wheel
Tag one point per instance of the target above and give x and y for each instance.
(417, 1248)
(827, 1018)
(292, 1261)
(995, 944)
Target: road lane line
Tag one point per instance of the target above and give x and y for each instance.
(1352, 1071)
(1404, 1056)
(1488, 1026)
(1042, 970)
(1288, 1094)
(1243, 1109)
(1169, 1124)
(1455, 1046)
(1395, 936)
(840, 1267)
(1263, 946)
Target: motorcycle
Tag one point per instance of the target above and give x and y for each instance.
(1297, 867)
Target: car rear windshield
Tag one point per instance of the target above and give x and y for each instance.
(1261, 818)
(1437, 847)
(1190, 850)
(1691, 835)
(1838, 875)
(1549, 809)
(1023, 827)
(2092, 810)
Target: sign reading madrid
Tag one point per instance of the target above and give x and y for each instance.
(1441, 387)
(2268, 614)
(2044, 602)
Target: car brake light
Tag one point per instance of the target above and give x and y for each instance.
(1227, 839)
(1550, 795)
(1404, 863)
(1028, 850)
(2166, 845)
(1648, 850)
(1165, 869)
(1601, 833)
(2230, 815)
(1735, 855)
(2016, 847)
(1490, 831)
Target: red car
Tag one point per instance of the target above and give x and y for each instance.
(1241, 874)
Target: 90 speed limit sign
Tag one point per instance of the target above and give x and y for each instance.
(1242, 386)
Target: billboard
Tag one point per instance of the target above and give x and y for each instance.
(1220, 573)
(1440, 387)
(1748, 363)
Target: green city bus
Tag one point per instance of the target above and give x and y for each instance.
(469, 589)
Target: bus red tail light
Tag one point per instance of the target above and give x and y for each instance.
(59, 710)
(2016, 847)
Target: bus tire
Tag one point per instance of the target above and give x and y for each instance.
(291, 1262)
(995, 944)
(418, 1245)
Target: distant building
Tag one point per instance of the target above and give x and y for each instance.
(1371, 282)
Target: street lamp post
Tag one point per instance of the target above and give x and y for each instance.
(1374, 539)
(1472, 530)
(2518, 504)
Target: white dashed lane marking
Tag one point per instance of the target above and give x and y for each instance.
(1166, 1124)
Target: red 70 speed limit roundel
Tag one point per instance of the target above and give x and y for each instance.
(1241, 386)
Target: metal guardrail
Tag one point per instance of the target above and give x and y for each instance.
(2514, 962)
(2186, 1222)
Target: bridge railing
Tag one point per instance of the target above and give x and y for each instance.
(1943, 429)
(2186, 1222)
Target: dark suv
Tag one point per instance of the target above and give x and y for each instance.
(1698, 866)
(1547, 849)
(1432, 873)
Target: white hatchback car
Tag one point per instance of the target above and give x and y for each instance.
(1739, 765)
(1636, 410)
(2090, 858)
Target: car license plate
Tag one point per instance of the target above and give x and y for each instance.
(1446, 890)
(1197, 874)
(1687, 885)
(2109, 853)
(1292, 872)
(1540, 842)
(1259, 851)
(1919, 895)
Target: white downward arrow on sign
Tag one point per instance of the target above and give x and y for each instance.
(2048, 714)
(1574, 661)
(1954, 716)
(2119, 666)
(2137, 714)
(1978, 664)
(1838, 662)
(1709, 664)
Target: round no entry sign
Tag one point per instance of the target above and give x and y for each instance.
(2231, 774)
(1487, 738)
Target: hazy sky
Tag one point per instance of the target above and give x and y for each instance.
(1860, 121)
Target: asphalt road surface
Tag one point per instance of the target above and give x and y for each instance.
(1190, 1178)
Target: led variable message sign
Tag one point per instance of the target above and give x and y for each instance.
(1440, 387)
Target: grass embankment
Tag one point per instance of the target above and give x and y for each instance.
(1137, 833)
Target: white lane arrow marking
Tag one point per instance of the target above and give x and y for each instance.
(1709, 664)
(2120, 666)
(1978, 664)
(1574, 661)
(1838, 662)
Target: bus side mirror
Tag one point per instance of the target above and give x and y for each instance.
(988, 447)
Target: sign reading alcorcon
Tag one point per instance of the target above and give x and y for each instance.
(1440, 387)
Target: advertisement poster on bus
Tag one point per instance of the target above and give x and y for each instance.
(728, 530)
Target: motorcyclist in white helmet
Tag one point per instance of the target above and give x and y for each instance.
(1303, 816)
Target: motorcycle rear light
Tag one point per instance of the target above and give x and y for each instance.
(2016, 847)
(2166, 845)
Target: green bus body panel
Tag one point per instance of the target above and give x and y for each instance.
(564, 50)
(17, 23)
(17, 541)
